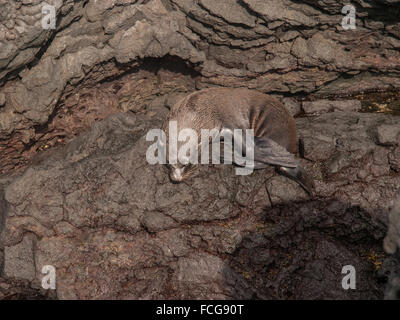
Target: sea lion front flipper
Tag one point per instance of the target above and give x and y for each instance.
(270, 152)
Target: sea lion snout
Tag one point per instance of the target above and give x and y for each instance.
(176, 174)
(179, 172)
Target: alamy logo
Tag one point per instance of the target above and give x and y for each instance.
(349, 281)
(49, 280)
(183, 147)
(349, 21)
(49, 17)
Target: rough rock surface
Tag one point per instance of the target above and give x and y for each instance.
(77, 193)
(115, 227)
(325, 105)
(272, 46)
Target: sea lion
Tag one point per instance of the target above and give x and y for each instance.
(275, 137)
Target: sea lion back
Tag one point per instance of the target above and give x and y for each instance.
(237, 108)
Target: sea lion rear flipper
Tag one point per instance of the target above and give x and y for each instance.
(300, 176)
(268, 151)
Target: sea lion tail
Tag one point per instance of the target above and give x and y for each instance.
(299, 175)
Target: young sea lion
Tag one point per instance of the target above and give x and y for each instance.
(275, 137)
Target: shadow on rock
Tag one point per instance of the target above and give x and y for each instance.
(298, 250)
(391, 265)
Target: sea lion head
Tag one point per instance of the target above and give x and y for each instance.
(181, 167)
(179, 172)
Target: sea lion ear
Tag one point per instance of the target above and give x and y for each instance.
(270, 152)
